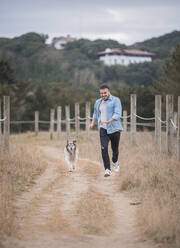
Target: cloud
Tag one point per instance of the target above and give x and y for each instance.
(126, 21)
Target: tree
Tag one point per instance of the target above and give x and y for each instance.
(44, 37)
(7, 78)
(40, 101)
(170, 82)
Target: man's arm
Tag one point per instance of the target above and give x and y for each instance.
(117, 112)
(94, 116)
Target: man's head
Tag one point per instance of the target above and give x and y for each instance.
(104, 92)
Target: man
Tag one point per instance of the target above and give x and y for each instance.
(108, 110)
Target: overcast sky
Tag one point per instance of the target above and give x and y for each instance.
(127, 21)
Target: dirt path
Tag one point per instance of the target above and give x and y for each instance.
(47, 216)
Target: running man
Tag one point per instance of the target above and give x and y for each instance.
(108, 111)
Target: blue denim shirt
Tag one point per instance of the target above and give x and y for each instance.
(113, 110)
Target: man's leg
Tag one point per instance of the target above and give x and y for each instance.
(104, 139)
(115, 138)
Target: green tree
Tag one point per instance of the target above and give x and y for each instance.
(91, 48)
(38, 100)
(170, 81)
(7, 78)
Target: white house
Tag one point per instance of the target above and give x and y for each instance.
(125, 57)
(60, 42)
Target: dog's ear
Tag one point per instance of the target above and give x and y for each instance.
(67, 142)
(74, 141)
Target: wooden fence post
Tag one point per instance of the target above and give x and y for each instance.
(133, 119)
(52, 112)
(158, 139)
(6, 100)
(59, 114)
(0, 124)
(77, 122)
(178, 131)
(88, 113)
(67, 110)
(36, 123)
(125, 120)
(169, 126)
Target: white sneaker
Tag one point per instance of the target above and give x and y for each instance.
(107, 173)
(116, 166)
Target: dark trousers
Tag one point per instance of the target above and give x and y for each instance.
(104, 139)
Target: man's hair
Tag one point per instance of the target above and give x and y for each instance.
(104, 86)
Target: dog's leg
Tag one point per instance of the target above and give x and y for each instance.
(74, 166)
(70, 167)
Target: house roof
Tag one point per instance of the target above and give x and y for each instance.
(128, 52)
(67, 39)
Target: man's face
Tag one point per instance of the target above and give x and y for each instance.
(105, 93)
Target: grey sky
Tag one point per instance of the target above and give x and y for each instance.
(126, 21)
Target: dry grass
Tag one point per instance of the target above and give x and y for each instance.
(42, 211)
(155, 179)
(18, 168)
(90, 169)
(58, 223)
(96, 212)
(152, 178)
(89, 147)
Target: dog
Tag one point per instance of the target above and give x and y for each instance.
(71, 154)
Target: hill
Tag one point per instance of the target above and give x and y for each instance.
(31, 58)
(78, 66)
(162, 46)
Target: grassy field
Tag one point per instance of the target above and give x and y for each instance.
(151, 178)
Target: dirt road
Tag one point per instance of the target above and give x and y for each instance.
(64, 209)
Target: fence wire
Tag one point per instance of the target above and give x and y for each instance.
(1, 120)
(162, 121)
(143, 118)
(174, 125)
(125, 117)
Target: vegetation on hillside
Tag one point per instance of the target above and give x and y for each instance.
(74, 75)
(162, 46)
(34, 60)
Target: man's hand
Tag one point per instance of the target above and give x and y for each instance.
(92, 124)
(103, 122)
(109, 121)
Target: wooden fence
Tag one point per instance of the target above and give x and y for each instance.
(5, 120)
(172, 122)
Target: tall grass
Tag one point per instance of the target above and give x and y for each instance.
(18, 168)
(155, 179)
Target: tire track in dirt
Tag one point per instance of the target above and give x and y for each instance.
(76, 184)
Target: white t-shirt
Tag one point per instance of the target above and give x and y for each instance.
(102, 109)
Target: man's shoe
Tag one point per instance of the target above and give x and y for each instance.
(107, 173)
(116, 166)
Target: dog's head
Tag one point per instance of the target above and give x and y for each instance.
(71, 146)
